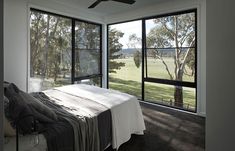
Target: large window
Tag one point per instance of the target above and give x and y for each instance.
(125, 57)
(87, 52)
(168, 58)
(63, 50)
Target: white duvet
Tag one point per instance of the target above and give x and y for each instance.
(126, 113)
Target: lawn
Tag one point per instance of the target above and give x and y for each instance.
(128, 79)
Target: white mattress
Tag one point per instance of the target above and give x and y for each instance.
(26, 143)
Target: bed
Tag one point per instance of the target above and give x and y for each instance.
(111, 117)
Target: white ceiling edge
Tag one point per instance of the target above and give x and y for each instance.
(157, 9)
(66, 10)
(63, 8)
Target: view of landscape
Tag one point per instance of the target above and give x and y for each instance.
(51, 51)
(50, 55)
(170, 55)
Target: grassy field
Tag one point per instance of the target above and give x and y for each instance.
(128, 79)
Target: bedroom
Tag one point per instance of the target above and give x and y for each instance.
(19, 35)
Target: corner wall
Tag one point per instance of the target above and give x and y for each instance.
(174, 6)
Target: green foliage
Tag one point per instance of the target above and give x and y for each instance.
(50, 43)
(114, 50)
(50, 40)
(134, 41)
(87, 41)
(137, 58)
(128, 80)
(175, 32)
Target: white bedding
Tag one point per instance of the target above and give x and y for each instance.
(126, 113)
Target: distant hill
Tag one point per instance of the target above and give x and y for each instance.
(128, 52)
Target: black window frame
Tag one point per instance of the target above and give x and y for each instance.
(73, 20)
(144, 77)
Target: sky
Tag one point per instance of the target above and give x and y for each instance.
(131, 28)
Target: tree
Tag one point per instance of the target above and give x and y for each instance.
(177, 32)
(50, 39)
(87, 38)
(134, 41)
(114, 50)
(137, 58)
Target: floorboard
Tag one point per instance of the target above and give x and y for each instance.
(168, 130)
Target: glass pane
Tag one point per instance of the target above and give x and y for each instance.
(87, 35)
(92, 81)
(87, 49)
(50, 51)
(125, 57)
(87, 62)
(162, 64)
(171, 31)
(166, 95)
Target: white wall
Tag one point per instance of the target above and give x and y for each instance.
(15, 42)
(16, 37)
(173, 7)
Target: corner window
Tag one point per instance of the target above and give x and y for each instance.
(164, 70)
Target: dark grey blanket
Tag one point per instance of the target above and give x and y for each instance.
(68, 122)
(59, 135)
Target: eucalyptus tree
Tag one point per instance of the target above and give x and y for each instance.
(50, 38)
(177, 33)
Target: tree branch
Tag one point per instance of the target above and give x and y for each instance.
(186, 73)
(183, 39)
(170, 31)
(177, 52)
(187, 53)
(166, 66)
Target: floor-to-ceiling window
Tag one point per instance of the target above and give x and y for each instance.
(168, 58)
(125, 49)
(63, 50)
(87, 53)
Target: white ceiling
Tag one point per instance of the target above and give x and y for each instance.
(109, 7)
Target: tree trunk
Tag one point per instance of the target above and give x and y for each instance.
(178, 93)
(45, 54)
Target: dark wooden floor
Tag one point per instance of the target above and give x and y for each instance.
(168, 130)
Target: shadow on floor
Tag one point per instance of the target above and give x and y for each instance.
(167, 130)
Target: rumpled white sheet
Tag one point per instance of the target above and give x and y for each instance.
(126, 113)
